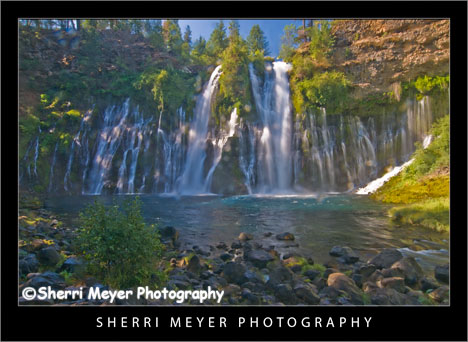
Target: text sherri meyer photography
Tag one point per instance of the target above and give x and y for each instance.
(222, 322)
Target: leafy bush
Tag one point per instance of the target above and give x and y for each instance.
(426, 84)
(436, 155)
(328, 89)
(118, 245)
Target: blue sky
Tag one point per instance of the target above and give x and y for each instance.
(273, 29)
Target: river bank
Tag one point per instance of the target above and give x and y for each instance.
(249, 271)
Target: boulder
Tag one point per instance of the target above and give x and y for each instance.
(225, 256)
(245, 236)
(234, 272)
(279, 274)
(35, 245)
(231, 290)
(367, 270)
(285, 236)
(428, 284)
(259, 257)
(169, 236)
(307, 293)
(440, 294)
(442, 274)
(331, 292)
(396, 283)
(236, 245)
(73, 265)
(389, 296)
(250, 297)
(410, 269)
(345, 254)
(386, 258)
(194, 264)
(342, 282)
(357, 278)
(285, 294)
(28, 264)
(52, 279)
(48, 256)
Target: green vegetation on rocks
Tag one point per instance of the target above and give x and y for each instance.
(424, 185)
(118, 245)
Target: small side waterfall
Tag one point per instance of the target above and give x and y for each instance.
(36, 153)
(108, 141)
(192, 180)
(218, 146)
(52, 165)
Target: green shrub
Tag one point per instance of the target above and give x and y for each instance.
(118, 245)
(328, 89)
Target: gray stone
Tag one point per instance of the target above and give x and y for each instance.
(410, 269)
(285, 236)
(194, 265)
(386, 258)
(307, 293)
(440, 294)
(441, 273)
(28, 264)
(73, 265)
(52, 279)
(234, 272)
(396, 283)
(48, 256)
(225, 256)
(258, 257)
(342, 282)
(285, 294)
(245, 236)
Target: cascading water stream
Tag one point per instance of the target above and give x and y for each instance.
(108, 142)
(36, 153)
(192, 180)
(218, 148)
(51, 176)
(273, 104)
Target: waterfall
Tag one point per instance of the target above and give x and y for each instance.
(108, 141)
(51, 175)
(192, 180)
(124, 152)
(36, 153)
(218, 146)
(247, 155)
(273, 105)
(76, 141)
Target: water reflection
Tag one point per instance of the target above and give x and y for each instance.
(318, 223)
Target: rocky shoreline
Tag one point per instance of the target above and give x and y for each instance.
(248, 272)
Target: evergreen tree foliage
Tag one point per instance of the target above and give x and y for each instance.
(256, 41)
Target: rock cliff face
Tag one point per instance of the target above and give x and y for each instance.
(379, 54)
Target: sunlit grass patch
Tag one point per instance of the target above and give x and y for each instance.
(433, 213)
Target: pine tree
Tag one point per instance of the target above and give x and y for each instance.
(256, 41)
(218, 41)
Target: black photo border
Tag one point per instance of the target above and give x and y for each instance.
(388, 323)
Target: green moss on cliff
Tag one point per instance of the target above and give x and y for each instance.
(424, 185)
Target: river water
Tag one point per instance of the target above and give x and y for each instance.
(318, 222)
